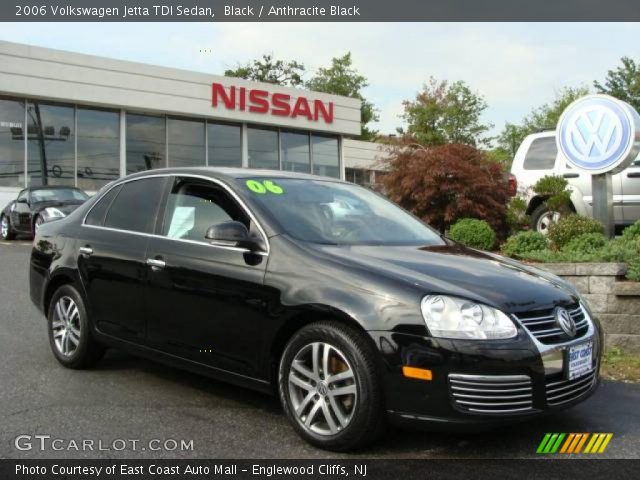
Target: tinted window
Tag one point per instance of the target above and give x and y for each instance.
(51, 150)
(263, 148)
(136, 205)
(146, 142)
(11, 143)
(295, 152)
(186, 143)
(225, 145)
(98, 148)
(326, 157)
(193, 207)
(337, 213)
(99, 210)
(23, 195)
(541, 155)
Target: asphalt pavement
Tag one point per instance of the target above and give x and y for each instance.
(128, 399)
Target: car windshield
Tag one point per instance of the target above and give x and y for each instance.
(336, 213)
(58, 195)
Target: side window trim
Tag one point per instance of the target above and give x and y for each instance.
(162, 210)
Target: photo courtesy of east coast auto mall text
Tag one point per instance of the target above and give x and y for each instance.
(300, 239)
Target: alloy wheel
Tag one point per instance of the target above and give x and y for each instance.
(65, 326)
(322, 389)
(4, 227)
(546, 220)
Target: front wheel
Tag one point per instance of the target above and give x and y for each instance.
(6, 232)
(329, 387)
(69, 335)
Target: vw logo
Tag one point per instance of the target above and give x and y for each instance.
(565, 322)
(597, 133)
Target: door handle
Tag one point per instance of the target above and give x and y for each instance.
(633, 174)
(86, 251)
(155, 263)
(571, 175)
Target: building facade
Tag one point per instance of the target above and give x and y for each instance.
(81, 120)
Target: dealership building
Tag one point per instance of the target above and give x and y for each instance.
(81, 120)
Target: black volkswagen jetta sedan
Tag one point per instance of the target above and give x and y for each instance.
(355, 312)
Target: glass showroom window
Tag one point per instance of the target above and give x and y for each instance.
(51, 149)
(295, 152)
(146, 142)
(186, 143)
(262, 145)
(326, 156)
(225, 145)
(11, 143)
(98, 148)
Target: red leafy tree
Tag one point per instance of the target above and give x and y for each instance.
(444, 183)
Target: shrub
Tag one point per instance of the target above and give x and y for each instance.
(586, 243)
(524, 242)
(632, 231)
(570, 227)
(555, 189)
(442, 184)
(517, 214)
(473, 233)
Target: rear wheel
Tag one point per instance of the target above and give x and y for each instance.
(542, 218)
(69, 334)
(6, 232)
(330, 388)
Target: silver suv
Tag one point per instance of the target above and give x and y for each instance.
(538, 156)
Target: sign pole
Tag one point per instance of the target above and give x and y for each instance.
(602, 191)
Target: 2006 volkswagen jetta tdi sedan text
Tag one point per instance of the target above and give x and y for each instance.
(352, 310)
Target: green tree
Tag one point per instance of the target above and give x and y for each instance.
(267, 69)
(623, 83)
(341, 78)
(541, 118)
(446, 113)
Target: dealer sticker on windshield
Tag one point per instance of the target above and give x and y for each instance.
(579, 360)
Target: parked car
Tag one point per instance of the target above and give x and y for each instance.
(354, 320)
(37, 205)
(538, 156)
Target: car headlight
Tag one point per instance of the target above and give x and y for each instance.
(453, 317)
(52, 212)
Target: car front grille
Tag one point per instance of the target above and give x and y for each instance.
(496, 394)
(563, 391)
(543, 326)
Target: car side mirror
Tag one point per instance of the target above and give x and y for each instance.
(231, 234)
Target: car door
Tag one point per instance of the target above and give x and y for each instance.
(111, 256)
(631, 191)
(206, 302)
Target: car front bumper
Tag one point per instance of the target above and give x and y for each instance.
(481, 383)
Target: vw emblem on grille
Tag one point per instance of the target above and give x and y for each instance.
(597, 133)
(565, 322)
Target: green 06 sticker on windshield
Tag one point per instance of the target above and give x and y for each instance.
(265, 186)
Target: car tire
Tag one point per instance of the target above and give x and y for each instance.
(70, 336)
(347, 389)
(6, 231)
(541, 218)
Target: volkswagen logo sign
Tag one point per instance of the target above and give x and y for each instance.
(599, 134)
(565, 322)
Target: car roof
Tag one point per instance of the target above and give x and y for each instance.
(231, 173)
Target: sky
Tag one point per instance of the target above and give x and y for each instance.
(515, 66)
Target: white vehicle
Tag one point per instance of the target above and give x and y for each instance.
(538, 156)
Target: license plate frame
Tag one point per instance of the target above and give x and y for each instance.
(578, 360)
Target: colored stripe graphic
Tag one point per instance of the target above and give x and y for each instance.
(572, 443)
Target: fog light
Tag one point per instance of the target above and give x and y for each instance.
(419, 373)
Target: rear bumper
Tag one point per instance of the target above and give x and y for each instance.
(480, 384)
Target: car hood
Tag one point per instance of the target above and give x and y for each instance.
(64, 207)
(456, 270)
